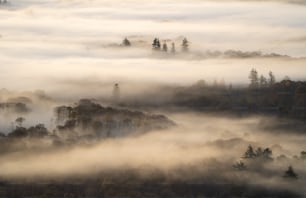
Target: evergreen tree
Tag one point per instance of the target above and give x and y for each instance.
(263, 81)
(290, 173)
(249, 152)
(116, 93)
(156, 44)
(185, 45)
(240, 166)
(173, 48)
(271, 79)
(165, 47)
(126, 42)
(254, 81)
(267, 153)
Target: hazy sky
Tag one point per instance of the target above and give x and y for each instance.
(44, 40)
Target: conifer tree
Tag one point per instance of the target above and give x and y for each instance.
(185, 45)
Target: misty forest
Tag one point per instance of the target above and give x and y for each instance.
(161, 98)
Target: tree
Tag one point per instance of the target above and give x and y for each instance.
(271, 79)
(286, 78)
(165, 47)
(290, 173)
(263, 82)
(126, 42)
(240, 166)
(116, 93)
(173, 48)
(38, 131)
(253, 76)
(19, 121)
(185, 45)
(249, 152)
(267, 153)
(156, 44)
(19, 132)
(258, 151)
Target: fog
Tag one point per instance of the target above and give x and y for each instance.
(46, 43)
(56, 52)
(199, 147)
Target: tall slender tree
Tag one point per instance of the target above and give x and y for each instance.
(263, 82)
(156, 44)
(185, 45)
(271, 79)
(165, 47)
(254, 81)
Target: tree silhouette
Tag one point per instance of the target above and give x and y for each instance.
(264, 153)
(173, 48)
(254, 81)
(185, 45)
(126, 42)
(19, 121)
(156, 44)
(240, 166)
(259, 153)
(249, 152)
(290, 173)
(267, 153)
(271, 79)
(263, 82)
(165, 47)
(116, 93)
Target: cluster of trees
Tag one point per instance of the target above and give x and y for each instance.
(157, 46)
(83, 123)
(104, 122)
(37, 131)
(16, 107)
(261, 81)
(3, 1)
(286, 98)
(264, 155)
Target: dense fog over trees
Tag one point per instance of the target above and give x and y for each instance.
(130, 98)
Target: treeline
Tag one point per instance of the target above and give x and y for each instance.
(263, 95)
(85, 122)
(256, 158)
(162, 46)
